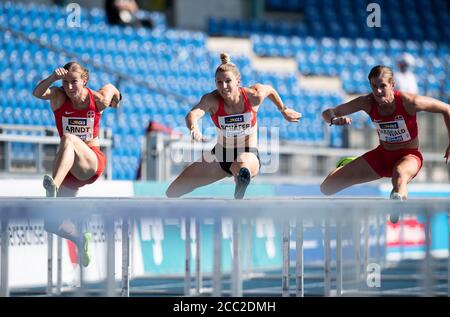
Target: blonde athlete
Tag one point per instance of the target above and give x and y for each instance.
(233, 109)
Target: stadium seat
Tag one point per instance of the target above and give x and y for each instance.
(325, 42)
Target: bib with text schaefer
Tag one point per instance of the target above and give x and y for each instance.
(236, 125)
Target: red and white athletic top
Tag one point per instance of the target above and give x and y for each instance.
(399, 127)
(80, 122)
(235, 125)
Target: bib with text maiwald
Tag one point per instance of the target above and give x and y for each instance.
(393, 131)
(236, 125)
(81, 127)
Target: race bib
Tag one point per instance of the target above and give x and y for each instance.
(393, 131)
(236, 125)
(81, 127)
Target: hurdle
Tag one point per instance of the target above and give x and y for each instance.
(291, 213)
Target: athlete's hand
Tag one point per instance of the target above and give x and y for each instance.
(197, 136)
(59, 73)
(291, 115)
(447, 154)
(341, 121)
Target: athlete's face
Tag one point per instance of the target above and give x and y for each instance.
(227, 84)
(73, 84)
(382, 89)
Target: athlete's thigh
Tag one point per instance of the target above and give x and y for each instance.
(248, 159)
(85, 163)
(355, 172)
(199, 174)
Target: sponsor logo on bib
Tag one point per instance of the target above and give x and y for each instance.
(393, 131)
(236, 125)
(81, 127)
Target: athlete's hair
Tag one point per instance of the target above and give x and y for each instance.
(228, 66)
(381, 70)
(76, 67)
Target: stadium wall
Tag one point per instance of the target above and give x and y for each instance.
(194, 14)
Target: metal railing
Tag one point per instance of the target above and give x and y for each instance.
(164, 154)
(291, 213)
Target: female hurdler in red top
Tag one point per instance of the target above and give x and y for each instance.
(394, 115)
(79, 161)
(233, 109)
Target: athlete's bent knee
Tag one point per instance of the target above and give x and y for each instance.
(326, 190)
(172, 193)
(67, 138)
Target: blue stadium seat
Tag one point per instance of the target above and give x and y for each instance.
(327, 42)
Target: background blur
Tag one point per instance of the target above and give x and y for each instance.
(162, 56)
(317, 54)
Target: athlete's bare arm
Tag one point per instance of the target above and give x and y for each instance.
(258, 92)
(107, 96)
(206, 104)
(338, 114)
(415, 103)
(54, 94)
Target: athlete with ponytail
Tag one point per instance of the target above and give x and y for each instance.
(233, 109)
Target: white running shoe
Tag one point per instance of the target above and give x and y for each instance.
(394, 217)
(50, 187)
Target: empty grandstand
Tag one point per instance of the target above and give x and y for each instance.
(315, 53)
(163, 70)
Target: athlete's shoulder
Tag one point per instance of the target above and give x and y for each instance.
(101, 102)
(363, 102)
(98, 96)
(367, 99)
(59, 99)
(209, 101)
(212, 97)
(257, 93)
(406, 96)
(58, 90)
(409, 101)
(254, 90)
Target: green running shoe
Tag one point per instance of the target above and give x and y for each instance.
(85, 250)
(344, 161)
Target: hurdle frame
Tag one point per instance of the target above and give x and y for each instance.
(331, 211)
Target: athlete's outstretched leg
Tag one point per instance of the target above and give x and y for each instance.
(195, 175)
(356, 172)
(67, 229)
(58, 225)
